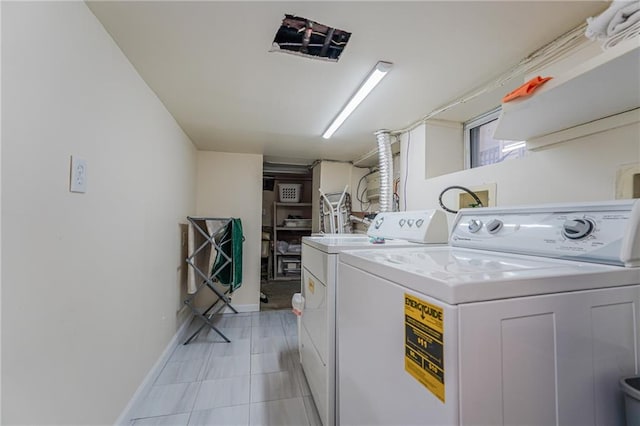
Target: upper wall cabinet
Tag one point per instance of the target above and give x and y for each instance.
(605, 85)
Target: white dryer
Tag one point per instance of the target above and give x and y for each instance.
(317, 331)
(530, 316)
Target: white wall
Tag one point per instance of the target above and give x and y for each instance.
(445, 150)
(90, 282)
(583, 169)
(230, 185)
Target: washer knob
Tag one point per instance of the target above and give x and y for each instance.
(475, 225)
(419, 222)
(378, 222)
(410, 222)
(575, 229)
(494, 226)
(401, 222)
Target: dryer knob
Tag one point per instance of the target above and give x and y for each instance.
(378, 223)
(475, 225)
(410, 222)
(419, 222)
(401, 222)
(494, 226)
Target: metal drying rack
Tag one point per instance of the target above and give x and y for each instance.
(210, 279)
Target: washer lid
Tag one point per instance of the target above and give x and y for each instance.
(458, 275)
(335, 243)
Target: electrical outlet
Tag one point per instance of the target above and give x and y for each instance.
(78, 182)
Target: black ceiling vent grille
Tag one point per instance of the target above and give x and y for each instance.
(301, 36)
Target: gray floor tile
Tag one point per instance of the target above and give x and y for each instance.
(232, 333)
(256, 378)
(167, 399)
(194, 350)
(197, 322)
(237, 415)
(261, 345)
(180, 372)
(174, 420)
(273, 386)
(291, 329)
(285, 412)
(266, 319)
(292, 341)
(236, 320)
(270, 362)
(220, 367)
(267, 331)
(223, 393)
(288, 317)
(301, 379)
(235, 347)
(312, 411)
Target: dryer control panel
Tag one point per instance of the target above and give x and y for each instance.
(607, 232)
(421, 226)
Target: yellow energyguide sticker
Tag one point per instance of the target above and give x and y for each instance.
(311, 285)
(424, 343)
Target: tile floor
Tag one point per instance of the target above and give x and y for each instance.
(254, 380)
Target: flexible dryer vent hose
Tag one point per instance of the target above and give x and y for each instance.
(386, 170)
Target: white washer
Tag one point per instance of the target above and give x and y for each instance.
(317, 338)
(531, 316)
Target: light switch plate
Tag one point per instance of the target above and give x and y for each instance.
(78, 182)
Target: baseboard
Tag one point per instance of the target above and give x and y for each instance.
(241, 308)
(150, 378)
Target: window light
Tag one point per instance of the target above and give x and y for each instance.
(375, 76)
(513, 146)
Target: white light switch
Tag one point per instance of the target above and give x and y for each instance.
(78, 181)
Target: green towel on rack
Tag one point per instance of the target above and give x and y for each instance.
(229, 273)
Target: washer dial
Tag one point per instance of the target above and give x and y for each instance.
(475, 225)
(494, 226)
(576, 229)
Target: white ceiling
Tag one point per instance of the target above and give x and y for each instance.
(209, 63)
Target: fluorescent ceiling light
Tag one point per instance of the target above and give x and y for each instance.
(381, 69)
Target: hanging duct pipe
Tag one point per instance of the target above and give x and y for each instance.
(386, 170)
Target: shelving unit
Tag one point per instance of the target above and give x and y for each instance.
(603, 86)
(282, 211)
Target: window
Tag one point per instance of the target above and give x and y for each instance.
(482, 149)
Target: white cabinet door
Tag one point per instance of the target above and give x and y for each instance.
(547, 360)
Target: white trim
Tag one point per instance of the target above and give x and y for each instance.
(150, 378)
(444, 123)
(482, 118)
(597, 126)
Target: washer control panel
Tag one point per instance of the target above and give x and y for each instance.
(604, 233)
(422, 226)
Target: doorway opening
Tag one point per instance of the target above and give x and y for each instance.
(286, 218)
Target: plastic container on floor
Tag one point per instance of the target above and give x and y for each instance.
(631, 388)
